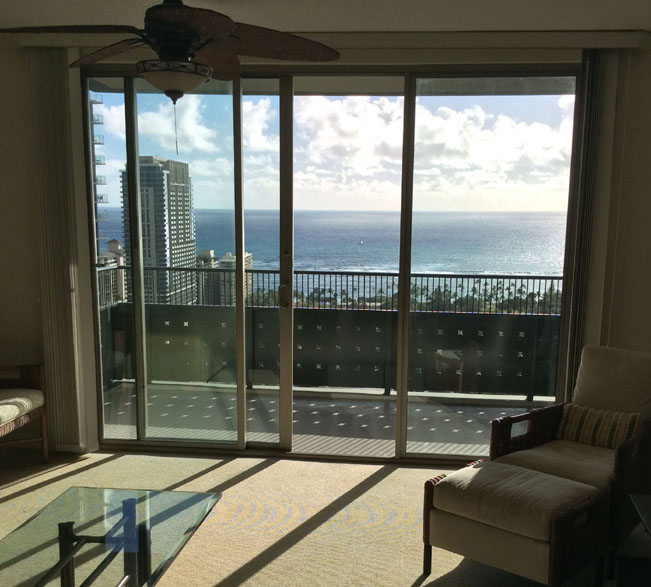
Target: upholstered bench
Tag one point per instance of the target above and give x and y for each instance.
(22, 400)
(539, 526)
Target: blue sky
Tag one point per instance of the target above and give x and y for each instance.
(472, 153)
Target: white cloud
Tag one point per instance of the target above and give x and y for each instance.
(318, 192)
(158, 126)
(216, 168)
(256, 134)
(357, 134)
(469, 160)
(566, 102)
(113, 120)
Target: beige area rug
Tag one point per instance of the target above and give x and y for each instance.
(279, 521)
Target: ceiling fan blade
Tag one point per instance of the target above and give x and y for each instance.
(208, 24)
(75, 28)
(223, 60)
(255, 41)
(108, 51)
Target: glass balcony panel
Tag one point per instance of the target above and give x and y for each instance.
(491, 183)
(116, 330)
(187, 208)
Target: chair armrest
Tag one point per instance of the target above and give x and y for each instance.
(633, 462)
(542, 424)
(428, 503)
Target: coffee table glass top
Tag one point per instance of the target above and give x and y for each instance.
(154, 528)
(642, 503)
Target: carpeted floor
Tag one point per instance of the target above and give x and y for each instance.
(279, 522)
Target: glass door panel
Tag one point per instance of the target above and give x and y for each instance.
(491, 183)
(113, 273)
(347, 193)
(261, 190)
(188, 244)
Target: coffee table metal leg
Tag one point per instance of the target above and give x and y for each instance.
(130, 542)
(66, 545)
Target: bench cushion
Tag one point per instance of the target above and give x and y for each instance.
(512, 498)
(593, 465)
(17, 402)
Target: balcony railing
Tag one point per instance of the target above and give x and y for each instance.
(479, 334)
(349, 290)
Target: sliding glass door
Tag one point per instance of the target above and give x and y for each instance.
(490, 198)
(464, 204)
(347, 170)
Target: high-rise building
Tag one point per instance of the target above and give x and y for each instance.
(216, 287)
(168, 235)
(226, 292)
(99, 181)
(207, 278)
(112, 279)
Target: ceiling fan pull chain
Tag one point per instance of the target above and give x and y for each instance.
(176, 135)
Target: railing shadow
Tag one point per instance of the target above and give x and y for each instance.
(252, 567)
(55, 479)
(89, 555)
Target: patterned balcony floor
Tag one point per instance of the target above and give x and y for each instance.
(326, 422)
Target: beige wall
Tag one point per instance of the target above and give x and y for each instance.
(20, 310)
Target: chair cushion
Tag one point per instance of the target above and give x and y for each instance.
(614, 379)
(16, 402)
(515, 499)
(593, 465)
(597, 427)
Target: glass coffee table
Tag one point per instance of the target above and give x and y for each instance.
(97, 536)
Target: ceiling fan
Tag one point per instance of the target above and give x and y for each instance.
(192, 45)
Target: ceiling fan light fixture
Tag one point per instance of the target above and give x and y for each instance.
(174, 78)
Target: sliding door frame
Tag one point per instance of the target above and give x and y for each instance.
(410, 73)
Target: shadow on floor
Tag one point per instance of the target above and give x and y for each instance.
(248, 570)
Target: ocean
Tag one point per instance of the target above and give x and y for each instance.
(511, 243)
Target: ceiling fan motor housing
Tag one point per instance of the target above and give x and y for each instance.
(170, 39)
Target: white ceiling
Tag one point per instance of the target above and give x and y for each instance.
(356, 15)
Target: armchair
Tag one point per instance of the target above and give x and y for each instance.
(609, 381)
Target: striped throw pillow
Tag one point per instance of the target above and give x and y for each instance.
(597, 427)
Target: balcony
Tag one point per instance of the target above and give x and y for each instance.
(99, 160)
(100, 180)
(480, 346)
(98, 140)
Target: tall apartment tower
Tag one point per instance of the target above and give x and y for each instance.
(168, 234)
(99, 181)
(226, 291)
(207, 278)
